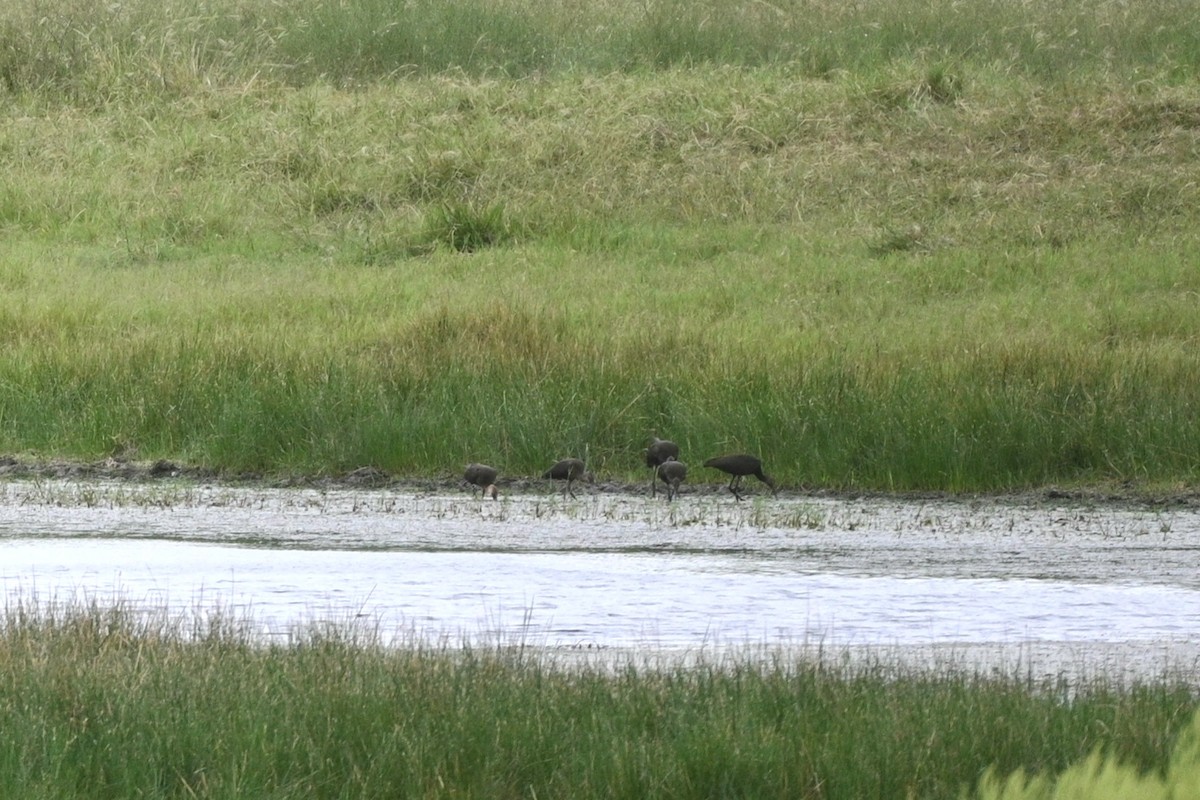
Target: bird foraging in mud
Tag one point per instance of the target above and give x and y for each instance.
(481, 476)
(739, 466)
(658, 453)
(569, 470)
(672, 473)
(660, 450)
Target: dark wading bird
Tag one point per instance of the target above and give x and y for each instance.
(739, 466)
(569, 470)
(481, 476)
(658, 453)
(672, 474)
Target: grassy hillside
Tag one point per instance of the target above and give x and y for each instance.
(884, 246)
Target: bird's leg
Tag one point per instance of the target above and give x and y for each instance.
(735, 485)
(654, 481)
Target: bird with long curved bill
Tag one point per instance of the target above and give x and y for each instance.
(658, 453)
(481, 476)
(672, 473)
(740, 465)
(569, 470)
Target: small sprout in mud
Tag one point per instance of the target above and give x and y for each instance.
(805, 517)
(762, 517)
(680, 517)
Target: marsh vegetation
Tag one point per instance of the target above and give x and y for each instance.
(945, 245)
(900, 245)
(105, 702)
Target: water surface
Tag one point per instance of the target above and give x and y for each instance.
(1011, 584)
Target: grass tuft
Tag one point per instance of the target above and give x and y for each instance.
(465, 229)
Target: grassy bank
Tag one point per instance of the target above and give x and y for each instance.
(945, 246)
(97, 701)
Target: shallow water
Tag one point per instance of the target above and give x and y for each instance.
(984, 582)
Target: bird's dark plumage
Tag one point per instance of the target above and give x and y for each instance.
(483, 477)
(672, 473)
(739, 466)
(659, 452)
(569, 470)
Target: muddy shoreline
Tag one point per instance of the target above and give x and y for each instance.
(1041, 582)
(1123, 495)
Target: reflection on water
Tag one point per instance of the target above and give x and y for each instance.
(624, 571)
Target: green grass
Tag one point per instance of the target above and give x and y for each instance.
(99, 701)
(890, 247)
(89, 49)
